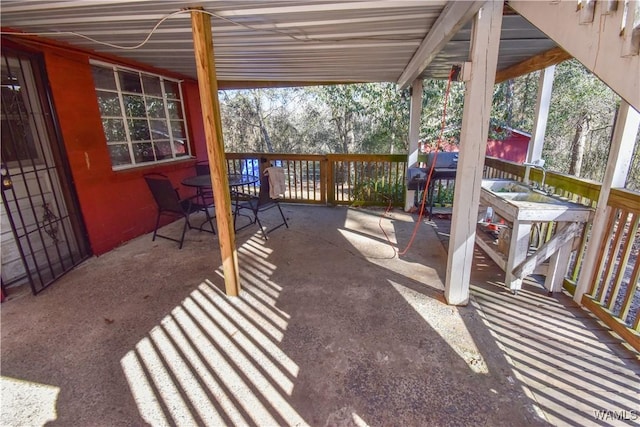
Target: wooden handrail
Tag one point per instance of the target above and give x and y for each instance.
(368, 157)
(275, 156)
(624, 199)
(579, 186)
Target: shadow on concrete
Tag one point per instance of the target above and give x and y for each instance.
(330, 329)
(574, 369)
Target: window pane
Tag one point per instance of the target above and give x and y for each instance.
(139, 130)
(163, 150)
(114, 130)
(180, 148)
(177, 129)
(130, 82)
(171, 89)
(159, 130)
(109, 103)
(179, 138)
(103, 78)
(143, 152)
(119, 154)
(152, 86)
(134, 106)
(175, 109)
(155, 107)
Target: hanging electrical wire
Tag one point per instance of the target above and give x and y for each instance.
(452, 73)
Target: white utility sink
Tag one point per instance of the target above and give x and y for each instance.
(513, 200)
(517, 207)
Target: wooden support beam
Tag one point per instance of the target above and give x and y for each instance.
(485, 40)
(545, 59)
(454, 16)
(560, 239)
(208, 86)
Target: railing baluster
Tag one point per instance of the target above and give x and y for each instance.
(582, 248)
(629, 228)
(306, 171)
(301, 178)
(631, 289)
(597, 293)
(329, 182)
(289, 176)
(615, 249)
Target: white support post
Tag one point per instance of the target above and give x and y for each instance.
(415, 113)
(485, 40)
(545, 85)
(615, 175)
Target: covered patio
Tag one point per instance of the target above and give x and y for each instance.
(326, 323)
(332, 328)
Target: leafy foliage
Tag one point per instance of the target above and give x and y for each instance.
(580, 102)
(374, 118)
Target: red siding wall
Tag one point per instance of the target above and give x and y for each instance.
(194, 112)
(116, 206)
(513, 148)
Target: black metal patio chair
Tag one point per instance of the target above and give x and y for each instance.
(258, 204)
(169, 203)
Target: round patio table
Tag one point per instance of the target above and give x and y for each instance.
(235, 180)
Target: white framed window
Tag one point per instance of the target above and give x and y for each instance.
(142, 116)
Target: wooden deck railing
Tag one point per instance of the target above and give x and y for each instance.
(614, 295)
(358, 179)
(305, 174)
(366, 179)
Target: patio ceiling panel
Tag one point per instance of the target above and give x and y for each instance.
(255, 40)
(519, 40)
(270, 41)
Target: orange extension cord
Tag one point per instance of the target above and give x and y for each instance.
(426, 186)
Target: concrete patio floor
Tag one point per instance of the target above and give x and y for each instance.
(332, 328)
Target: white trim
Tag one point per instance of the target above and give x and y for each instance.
(121, 168)
(117, 66)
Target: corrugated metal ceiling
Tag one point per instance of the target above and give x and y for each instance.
(291, 41)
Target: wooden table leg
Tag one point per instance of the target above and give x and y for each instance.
(518, 248)
(558, 264)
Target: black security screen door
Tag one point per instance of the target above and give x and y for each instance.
(42, 234)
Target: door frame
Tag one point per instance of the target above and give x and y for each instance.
(64, 188)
